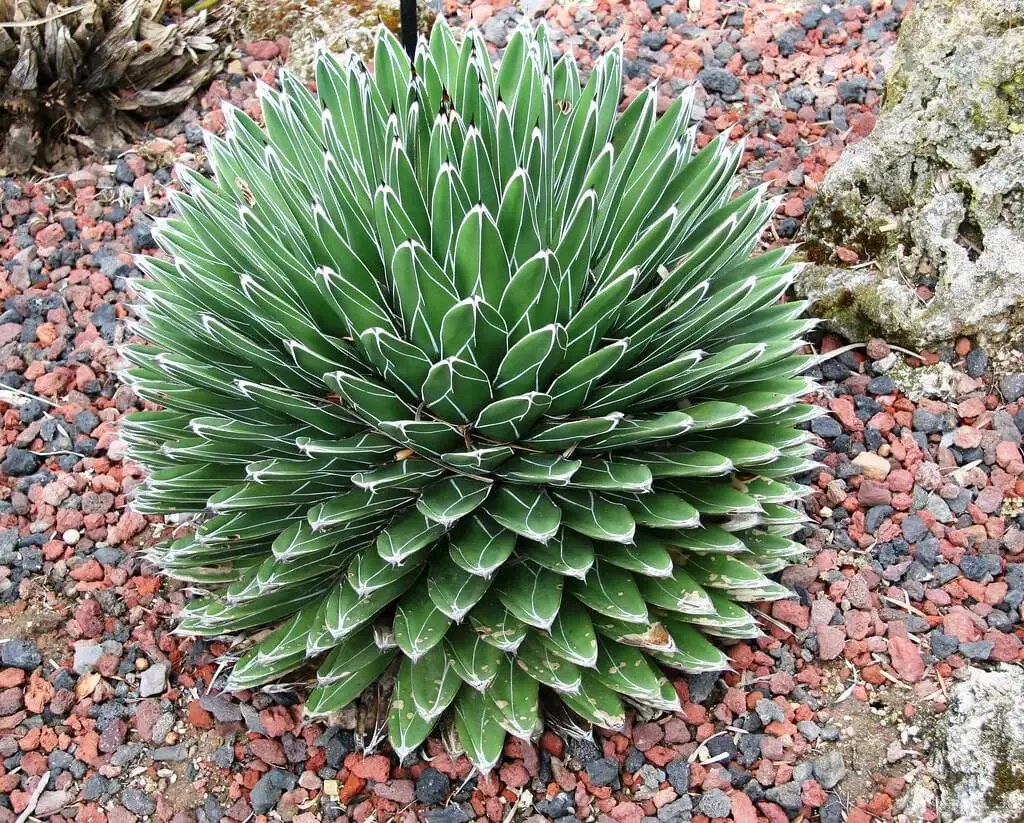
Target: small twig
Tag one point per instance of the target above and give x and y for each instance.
(34, 799)
(902, 605)
(474, 771)
(849, 689)
(821, 358)
(512, 807)
(27, 24)
(890, 677)
(773, 621)
(23, 393)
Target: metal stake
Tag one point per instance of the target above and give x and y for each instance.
(409, 26)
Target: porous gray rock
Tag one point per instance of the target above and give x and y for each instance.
(978, 748)
(934, 196)
(153, 680)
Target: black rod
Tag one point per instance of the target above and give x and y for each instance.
(409, 26)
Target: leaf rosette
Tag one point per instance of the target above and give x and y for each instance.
(468, 374)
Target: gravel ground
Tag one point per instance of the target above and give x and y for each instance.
(105, 715)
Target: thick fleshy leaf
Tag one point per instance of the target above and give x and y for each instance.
(456, 390)
(346, 678)
(473, 659)
(515, 694)
(626, 670)
(611, 591)
(419, 625)
(572, 637)
(596, 702)
(453, 590)
(434, 683)
(448, 501)
(526, 511)
(547, 667)
(567, 553)
(647, 556)
(406, 535)
(480, 545)
(531, 593)
(478, 722)
(531, 362)
(595, 516)
(678, 593)
(408, 725)
(509, 419)
(497, 625)
(539, 469)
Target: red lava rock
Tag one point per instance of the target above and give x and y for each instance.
(627, 812)
(960, 625)
(402, 792)
(552, 744)
(263, 50)
(352, 787)
(1006, 648)
(1007, 454)
(270, 751)
(676, 731)
(831, 641)
(90, 571)
(277, 720)
(646, 735)
(967, 437)
(376, 767)
(781, 683)
(743, 810)
(900, 480)
(50, 235)
(773, 812)
(11, 677)
(514, 775)
(873, 493)
(792, 613)
(906, 659)
(198, 716)
(660, 755)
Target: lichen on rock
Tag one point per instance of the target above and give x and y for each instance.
(934, 196)
(978, 752)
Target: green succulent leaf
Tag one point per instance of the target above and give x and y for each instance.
(408, 725)
(525, 511)
(479, 723)
(515, 694)
(531, 592)
(434, 683)
(612, 591)
(472, 658)
(419, 625)
(345, 678)
(453, 590)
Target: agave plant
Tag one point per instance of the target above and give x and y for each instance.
(87, 65)
(468, 375)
